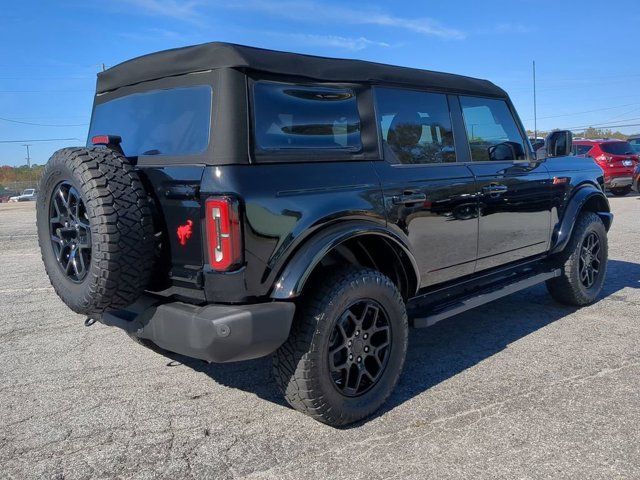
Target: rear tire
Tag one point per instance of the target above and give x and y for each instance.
(357, 312)
(584, 263)
(621, 192)
(95, 229)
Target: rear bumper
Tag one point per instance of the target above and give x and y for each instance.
(214, 333)
(616, 182)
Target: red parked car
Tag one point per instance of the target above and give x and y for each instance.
(617, 159)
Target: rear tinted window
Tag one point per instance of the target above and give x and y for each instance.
(159, 122)
(415, 126)
(294, 117)
(617, 148)
(582, 149)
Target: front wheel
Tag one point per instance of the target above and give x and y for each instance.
(346, 349)
(584, 261)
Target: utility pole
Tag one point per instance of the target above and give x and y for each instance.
(28, 156)
(535, 106)
(104, 67)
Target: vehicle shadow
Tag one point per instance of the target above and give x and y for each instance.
(440, 352)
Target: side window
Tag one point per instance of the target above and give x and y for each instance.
(582, 149)
(491, 129)
(296, 117)
(415, 126)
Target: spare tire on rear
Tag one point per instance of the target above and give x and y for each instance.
(95, 229)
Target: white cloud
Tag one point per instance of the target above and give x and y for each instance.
(346, 43)
(508, 28)
(180, 10)
(302, 10)
(311, 11)
(513, 28)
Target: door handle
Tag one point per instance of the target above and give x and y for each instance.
(495, 189)
(407, 198)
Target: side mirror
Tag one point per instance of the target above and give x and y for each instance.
(557, 144)
(506, 151)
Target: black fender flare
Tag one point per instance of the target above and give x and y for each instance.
(291, 280)
(583, 195)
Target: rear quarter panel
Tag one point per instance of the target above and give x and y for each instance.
(285, 204)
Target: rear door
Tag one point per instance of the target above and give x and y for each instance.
(165, 126)
(514, 190)
(428, 194)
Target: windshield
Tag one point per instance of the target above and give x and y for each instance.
(617, 148)
(159, 122)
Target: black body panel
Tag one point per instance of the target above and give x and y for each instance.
(515, 211)
(443, 222)
(283, 206)
(435, 206)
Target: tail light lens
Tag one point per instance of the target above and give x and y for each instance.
(224, 239)
(603, 158)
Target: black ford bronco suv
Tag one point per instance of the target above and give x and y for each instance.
(235, 202)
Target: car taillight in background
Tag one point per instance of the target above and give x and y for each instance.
(224, 240)
(602, 159)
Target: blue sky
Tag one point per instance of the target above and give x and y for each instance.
(587, 56)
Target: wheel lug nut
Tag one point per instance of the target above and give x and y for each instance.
(365, 336)
(350, 356)
(350, 342)
(366, 349)
(359, 359)
(357, 333)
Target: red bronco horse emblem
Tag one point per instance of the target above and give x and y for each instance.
(184, 232)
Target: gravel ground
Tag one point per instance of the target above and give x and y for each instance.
(521, 388)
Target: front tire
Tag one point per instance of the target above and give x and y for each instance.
(584, 261)
(346, 349)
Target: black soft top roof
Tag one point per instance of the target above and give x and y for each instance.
(208, 56)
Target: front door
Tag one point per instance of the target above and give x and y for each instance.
(428, 196)
(514, 191)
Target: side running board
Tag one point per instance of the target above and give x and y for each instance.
(490, 294)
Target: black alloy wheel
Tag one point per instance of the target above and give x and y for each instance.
(345, 350)
(590, 259)
(359, 348)
(70, 231)
(583, 263)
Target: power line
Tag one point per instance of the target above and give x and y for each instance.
(43, 124)
(587, 111)
(606, 126)
(602, 125)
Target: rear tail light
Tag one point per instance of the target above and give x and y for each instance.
(603, 158)
(224, 239)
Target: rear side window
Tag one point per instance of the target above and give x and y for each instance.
(295, 117)
(491, 129)
(171, 122)
(415, 126)
(617, 148)
(581, 149)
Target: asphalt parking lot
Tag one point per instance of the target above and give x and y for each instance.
(521, 388)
